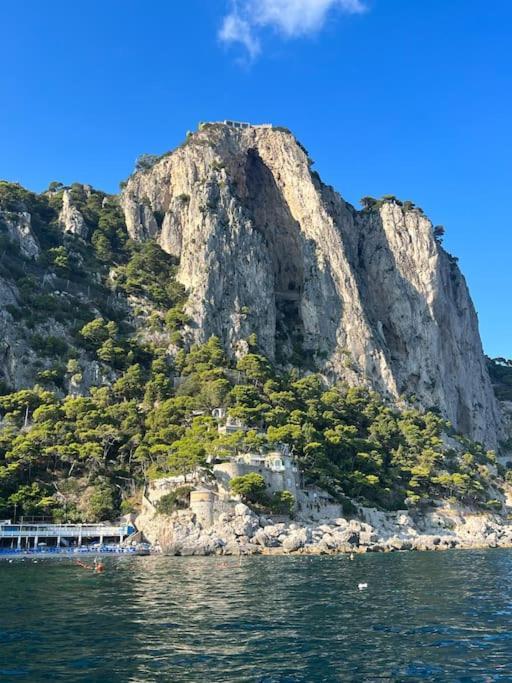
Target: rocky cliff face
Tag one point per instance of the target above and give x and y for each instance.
(18, 227)
(70, 218)
(265, 247)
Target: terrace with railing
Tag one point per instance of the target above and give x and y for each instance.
(63, 532)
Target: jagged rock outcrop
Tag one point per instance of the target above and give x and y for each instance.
(19, 228)
(266, 247)
(70, 217)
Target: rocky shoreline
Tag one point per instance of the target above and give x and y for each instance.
(243, 532)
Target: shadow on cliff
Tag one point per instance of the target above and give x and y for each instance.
(294, 263)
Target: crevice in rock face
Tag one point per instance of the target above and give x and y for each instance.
(282, 238)
(463, 415)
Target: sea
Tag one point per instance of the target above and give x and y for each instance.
(430, 616)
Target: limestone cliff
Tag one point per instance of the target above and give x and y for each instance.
(17, 225)
(265, 247)
(70, 218)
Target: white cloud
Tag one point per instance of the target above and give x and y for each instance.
(292, 18)
(235, 29)
(299, 17)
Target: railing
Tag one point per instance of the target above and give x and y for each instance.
(54, 550)
(62, 530)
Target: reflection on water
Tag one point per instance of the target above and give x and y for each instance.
(425, 616)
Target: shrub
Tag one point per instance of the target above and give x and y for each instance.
(175, 318)
(249, 486)
(282, 502)
(439, 232)
(151, 272)
(49, 377)
(59, 257)
(176, 338)
(368, 202)
(49, 346)
(96, 332)
(178, 499)
(100, 503)
(494, 505)
(391, 198)
(145, 162)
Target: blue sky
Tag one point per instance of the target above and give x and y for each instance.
(410, 97)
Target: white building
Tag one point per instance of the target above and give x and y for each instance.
(243, 124)
(231, 426)
(273, 461)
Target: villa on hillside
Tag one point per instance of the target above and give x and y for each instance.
(272, 461)
(211, 492)
(227, 424)
(278, 468)
(231, 426)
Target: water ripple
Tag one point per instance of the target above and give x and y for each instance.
(424, 617)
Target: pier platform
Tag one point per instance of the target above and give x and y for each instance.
(26, 535)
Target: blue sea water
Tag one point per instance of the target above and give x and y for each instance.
(424, 617)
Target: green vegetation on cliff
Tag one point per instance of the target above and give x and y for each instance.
(345, 439)
(119, 397)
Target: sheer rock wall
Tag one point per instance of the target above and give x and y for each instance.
(266, 247)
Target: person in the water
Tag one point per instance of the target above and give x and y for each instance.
(97, 566)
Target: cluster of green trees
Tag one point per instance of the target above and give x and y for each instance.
(346, 439)
(85, 457)
(15, 198)
(151, 273)
(253, 489)
(66, 263)
(371, 203)
(74, 282)
(175, 500)
(82, 285)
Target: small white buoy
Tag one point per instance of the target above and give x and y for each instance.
(351, 556)
(362, 586)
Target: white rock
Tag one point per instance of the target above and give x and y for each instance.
(242, 510)
(296, 539)
(70, 217)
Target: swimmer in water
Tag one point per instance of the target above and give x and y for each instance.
(98, 566)
(83, 565)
